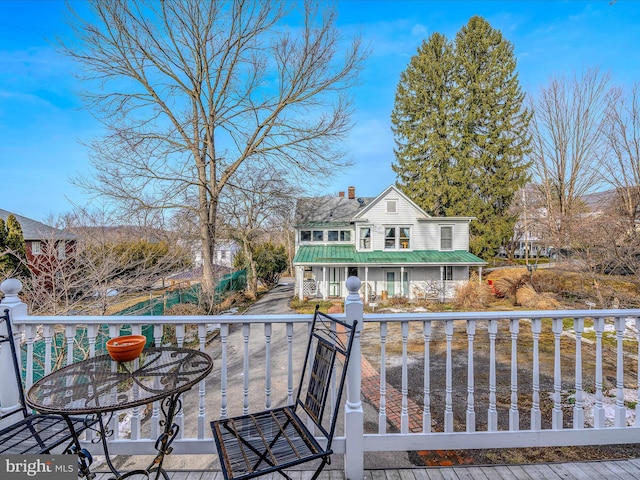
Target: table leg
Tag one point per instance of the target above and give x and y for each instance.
(170, 406)
(84, 457)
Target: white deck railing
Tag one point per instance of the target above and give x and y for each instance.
(436, 380)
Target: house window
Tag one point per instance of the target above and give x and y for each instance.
(365, 237)
(447, 272)
(318, 235)
(305, 235)
(36, 248)
(62, 250)
(446, 238)
(392, 206)
(338, 236)
(405, 235)
(390, 237)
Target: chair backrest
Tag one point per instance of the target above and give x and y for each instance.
(8, 340)
(326, 362)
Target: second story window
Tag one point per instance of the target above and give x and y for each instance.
(338, 236)
(390, 237)
(62, 250)
(365, 238)
(446, 238)
(36, 248)
(405, 235)
(318, 235)
(305, 235)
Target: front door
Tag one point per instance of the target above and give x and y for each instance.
(391, 283)
(336, 279)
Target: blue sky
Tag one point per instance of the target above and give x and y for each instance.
(42, 120)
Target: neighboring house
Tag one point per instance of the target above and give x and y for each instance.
(224, 252)
(390, 243)
(47, 248)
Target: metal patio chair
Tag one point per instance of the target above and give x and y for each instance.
(34, 433)
(280, 438)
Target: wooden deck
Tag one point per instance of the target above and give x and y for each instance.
(609, 470)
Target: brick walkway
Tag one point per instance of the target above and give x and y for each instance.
(371, 393)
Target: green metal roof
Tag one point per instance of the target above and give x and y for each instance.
(323, 254)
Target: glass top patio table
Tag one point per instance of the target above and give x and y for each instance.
(100, 384)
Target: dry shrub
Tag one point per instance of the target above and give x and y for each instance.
(472, 295)
(399, 301)
(506, 282)
(527, 297)
(185, 309)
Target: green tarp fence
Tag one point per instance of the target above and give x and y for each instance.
(154, 306)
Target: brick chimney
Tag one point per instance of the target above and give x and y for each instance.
(352, 193)
(341, 194)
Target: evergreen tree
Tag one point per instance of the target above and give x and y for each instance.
(462, 131)
(14, 250)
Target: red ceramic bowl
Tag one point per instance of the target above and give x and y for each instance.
(126, 348)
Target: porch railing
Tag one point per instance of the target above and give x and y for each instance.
(435, 380)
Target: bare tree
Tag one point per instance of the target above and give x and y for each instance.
(251, 211)
(621, 168)
(103, 261)
(567, 129)
(190, 91)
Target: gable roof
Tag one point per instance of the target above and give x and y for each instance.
(34, 230)
(328, 210)
(391, 188)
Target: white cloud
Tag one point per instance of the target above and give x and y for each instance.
(419, 30)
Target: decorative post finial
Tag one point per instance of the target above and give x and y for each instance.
(11, 287)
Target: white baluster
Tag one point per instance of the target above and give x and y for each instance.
(578, 407)
(514, 414)
(224, 336)
(492, 414)
(47, 333)
(29, 333)
(426, 409)
(246, 329)
(290, 363)
(621, 411)
(599, 416)
(382, 412)
(70, 333)
(202, 409)
(267, 386)
(404, 411)
(556, 415)
(536, 414)
(180, 334)
(471, 414)
(91, 336)
(448, 409)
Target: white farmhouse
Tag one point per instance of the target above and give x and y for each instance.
(390, 243)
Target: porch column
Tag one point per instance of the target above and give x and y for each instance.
(402, 292)
(343, 289)
(354, 413)
(9, 389)
(299, 278)
(366, 282)
(325, 284)
(480, 274)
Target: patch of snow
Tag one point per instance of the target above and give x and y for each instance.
(609, 406)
